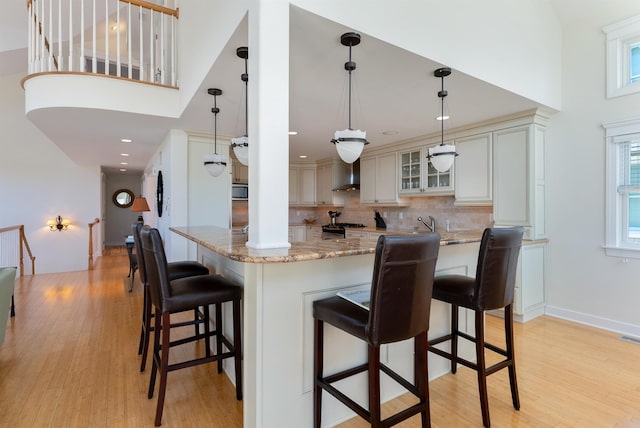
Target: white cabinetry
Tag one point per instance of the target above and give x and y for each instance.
(419, 178)
(313, 233)
(297, 233)
(379, 180)
(302, 185)
(528, 301)
(239, 172)
(355, 233)
(330, 174)
(474, 170)
(518, 179)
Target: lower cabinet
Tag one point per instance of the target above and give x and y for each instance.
(297, 233)
(313, 233)
(530, 278)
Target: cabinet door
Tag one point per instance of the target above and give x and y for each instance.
(307, 186)
(356, 234)
(294, 198)
(473, 170)
(435, 182)
(368, 180)
(323, 185)
(410, 172)
(511, 182)
(387, 179)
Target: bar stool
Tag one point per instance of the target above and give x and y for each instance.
(492, 288)
(179, 295)
(399, 309)
(176, 270)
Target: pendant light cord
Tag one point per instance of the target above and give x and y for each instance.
(245, 79)
(350, 67)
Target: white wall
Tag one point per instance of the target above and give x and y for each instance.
(583, 283)
(118, 220)
(38, 182)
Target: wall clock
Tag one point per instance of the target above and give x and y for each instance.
(159, 193)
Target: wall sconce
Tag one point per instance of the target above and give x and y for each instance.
(140, 205)
(58, 224)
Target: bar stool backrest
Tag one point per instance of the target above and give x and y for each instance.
(139, 254)
(497, 265)
(156, 264)
(401, 287)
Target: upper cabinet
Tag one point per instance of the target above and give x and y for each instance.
(474, 170)
(239, 172)
(519, 179)
(379, 180)
(302, 185)
(330, 174)
(419, 178)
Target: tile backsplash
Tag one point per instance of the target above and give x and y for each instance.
(440, 207)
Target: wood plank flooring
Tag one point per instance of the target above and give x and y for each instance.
(70, 360)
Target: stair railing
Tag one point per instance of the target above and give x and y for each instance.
(96, 221)
(13, 241)
(131, 39)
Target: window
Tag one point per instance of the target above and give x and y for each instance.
(623, 57)
(623, 189)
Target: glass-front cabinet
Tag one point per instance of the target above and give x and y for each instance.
(419, 177)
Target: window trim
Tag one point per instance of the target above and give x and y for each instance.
(620, 37)
(614, 245)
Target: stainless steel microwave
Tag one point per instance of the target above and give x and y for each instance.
(239, 192)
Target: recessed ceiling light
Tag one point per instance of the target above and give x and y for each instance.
(115, 27)
(124, 154)
(124, 163)
(303, 156)
(391, 132)
(126, 140)
(123, 169)
(293, 132)
(442, 118)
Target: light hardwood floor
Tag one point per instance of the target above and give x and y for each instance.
(70, 360)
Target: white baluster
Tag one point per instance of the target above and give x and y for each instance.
(129, 59)
(94, 59)
(152, 68)
(106, 38)
(83, 67)
(70, 66)
(50, 24)
(141, 43)
(173, 51)
(118, 39)
(162, 59)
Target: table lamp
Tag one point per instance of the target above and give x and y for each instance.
(140, 205)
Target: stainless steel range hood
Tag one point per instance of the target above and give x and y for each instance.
(353, 179)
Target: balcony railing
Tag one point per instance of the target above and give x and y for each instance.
(131, 39)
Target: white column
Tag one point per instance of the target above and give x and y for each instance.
(268, 65)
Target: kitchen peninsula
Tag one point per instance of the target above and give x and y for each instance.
(279, 288)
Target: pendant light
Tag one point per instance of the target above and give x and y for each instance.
(350, 142)
(241, 144)
(213, 162)
(442, 156)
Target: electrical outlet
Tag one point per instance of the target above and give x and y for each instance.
(384, 214)
(401, 216)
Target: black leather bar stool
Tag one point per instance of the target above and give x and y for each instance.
(492, 288)
(399, 309)
(168, 297)
(176, 270)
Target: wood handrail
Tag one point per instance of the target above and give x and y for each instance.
(90, 262)
(23, 241)
(152, 6)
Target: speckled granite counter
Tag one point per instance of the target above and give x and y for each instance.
(231, 244)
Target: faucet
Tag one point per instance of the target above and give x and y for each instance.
(431, 226)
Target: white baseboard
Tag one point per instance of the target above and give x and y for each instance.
(594, 321)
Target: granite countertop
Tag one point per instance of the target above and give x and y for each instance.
(231, 243)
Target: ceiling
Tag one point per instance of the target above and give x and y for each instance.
(395, 93)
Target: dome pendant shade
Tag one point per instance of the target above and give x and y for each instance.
(241, 149)
(349, 144)
(442, 156)
(215, 164)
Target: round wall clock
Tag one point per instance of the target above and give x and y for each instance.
(159, 193)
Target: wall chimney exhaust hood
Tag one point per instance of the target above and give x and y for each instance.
(353, 178)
